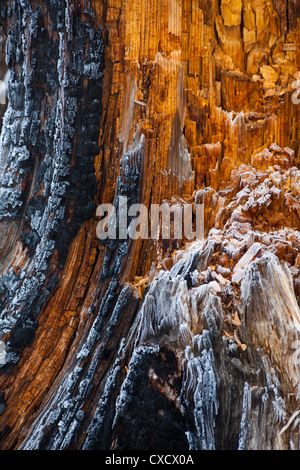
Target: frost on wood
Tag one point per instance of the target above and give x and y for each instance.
(46, 168)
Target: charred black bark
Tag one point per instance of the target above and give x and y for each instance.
(48, 146)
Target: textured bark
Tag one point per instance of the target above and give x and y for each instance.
(143, 344)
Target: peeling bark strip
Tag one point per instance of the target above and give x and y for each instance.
(125, 344)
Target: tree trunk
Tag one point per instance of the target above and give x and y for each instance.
(148, 344)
